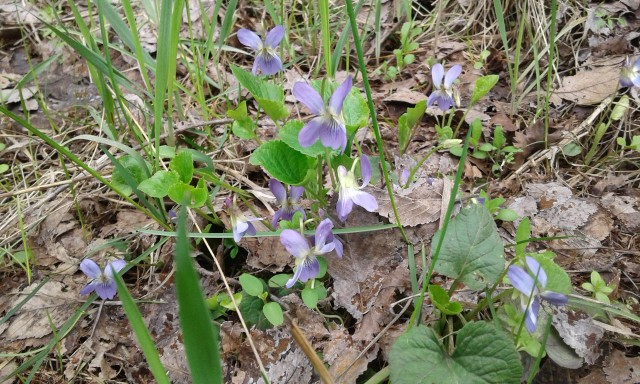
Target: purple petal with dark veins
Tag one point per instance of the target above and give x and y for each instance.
(269, 64)
(249, 38)
(296, 193)
(274, 36)
(309, 269)
(337, 98)
(334, 135)
(309, 97)
(310, 133)
(106, 290)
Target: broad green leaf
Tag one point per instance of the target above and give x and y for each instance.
(309, 297)
(279, 281)
(4, 168)
(407, 122)
(134, 167)
(472, 250)
(242, 126)
(483, 86)
(158, 185)
(196, 196)
(440, 298)
(482, 355)
(225, 300)
(355, 110)
(182, 163)
(282, 162)
(239, 113)
(251, 284)
(268, 95)
(251, 309)
(323, 267)
(273, 312)
(571, 149)
(507, 215)
(557, 279)
(289, 135)
(523, 235)
(620, 109)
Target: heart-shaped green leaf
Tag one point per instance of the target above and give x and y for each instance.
(472, 250)
(482, 354)
(282, 162)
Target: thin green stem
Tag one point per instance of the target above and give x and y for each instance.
(374, 119)
(326, 35)
(413, 172)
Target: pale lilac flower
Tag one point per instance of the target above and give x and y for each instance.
(328, 125)
(532, 290)
(267, 59)
(101, 281)
(289, 205)
(240, 224)
(350, 193)
(443, 92)
(630, 75)
(307, 266)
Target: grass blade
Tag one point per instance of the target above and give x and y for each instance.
(200, 337)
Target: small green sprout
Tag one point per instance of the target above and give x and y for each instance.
(600, 289)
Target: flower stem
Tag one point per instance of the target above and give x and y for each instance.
(326, 36)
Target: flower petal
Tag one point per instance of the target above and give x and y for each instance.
(90, 268)
(437, 73)
(452, 75)
(335, 136)
(269, 63)
(276, 219)
(443, 100)
(296, 193)
(323, 231)
(520, 280)
(278, 190)
(309, 269)
(239, 229)
(365, 200)
(344, 207)
(274, 36)
(106, 290)
(365, 170)
(251, 230)
(87, 289)
(309, 97)
(310, 133)
(256, 65)
(555, 298)
(538, 271)
(117, 266)
(295, 243)
(249, 38)
(338, 96)
(294, 278)
(531, 315)
(338, 247)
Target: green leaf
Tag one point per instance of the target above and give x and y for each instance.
(239, 113)
(273, 312)
(323, 267)
(269, 96)
(472, 250)
(158, 185)
(407, 122)
(183, 165)
(507, 215)
(4, 168)
(483, 355)
(135, 169)
(557, 279)
(279, 281)
(251, 309)
(498, 137)
(195, 196)
(282, 162)
(621, 108)
(440, 298)
(251, 284)
(242, 126)
(571, 149)
(483, 86)
(523, 235)
(289, 135)
(200, 337)
(309, 297)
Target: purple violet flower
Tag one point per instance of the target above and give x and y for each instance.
(307, 266)
(240, 224)
(101, 281)
(328, 125)
(289, 205)
(267, 59)
(532, 291)
(630, 74)
(443, 92)
(350, 193)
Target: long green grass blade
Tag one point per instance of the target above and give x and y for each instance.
(141, 332)
(199, 336)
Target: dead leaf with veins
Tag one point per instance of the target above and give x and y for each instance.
(578, 331)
